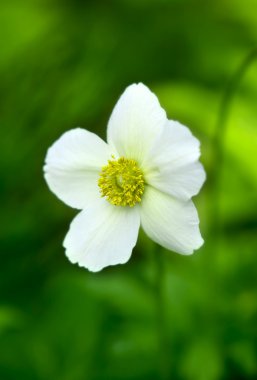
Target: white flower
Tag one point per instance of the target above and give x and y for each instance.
(144, 175)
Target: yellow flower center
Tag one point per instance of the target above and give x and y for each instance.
(122, 182)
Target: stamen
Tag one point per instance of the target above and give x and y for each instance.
(122, 182)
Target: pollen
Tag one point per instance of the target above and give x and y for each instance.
(121, 182)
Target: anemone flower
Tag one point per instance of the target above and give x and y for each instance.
(146, 174)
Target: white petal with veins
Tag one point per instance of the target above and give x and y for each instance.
(102, 235)
(169, 222)
(136, 122)
(73, 164)
(173, 165)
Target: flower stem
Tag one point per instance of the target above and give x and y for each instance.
(220, 131)
(159, 288)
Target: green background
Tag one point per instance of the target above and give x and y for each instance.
(64, 64)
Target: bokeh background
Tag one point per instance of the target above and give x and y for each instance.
(64, 64)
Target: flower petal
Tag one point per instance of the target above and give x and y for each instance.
(102, 235)
(173, 163)
(172, 223)
(72, 167)
(136, 121)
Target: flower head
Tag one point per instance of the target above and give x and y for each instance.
(144, 175)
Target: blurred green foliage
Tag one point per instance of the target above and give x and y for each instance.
(64, 64)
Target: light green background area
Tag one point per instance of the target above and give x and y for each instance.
(64, 64)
